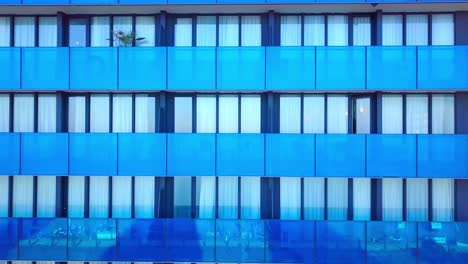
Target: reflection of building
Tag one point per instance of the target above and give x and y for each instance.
(232, 133)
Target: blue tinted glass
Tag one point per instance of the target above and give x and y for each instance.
(77, 32)
(438, 242)
(93, 68)
(240, 241)
(190, 154)
(43, 239)
(45, 68)
(44, 154)
(141, 240)
(10, 76)
(92, 239)
(10, 154)
(9, 238)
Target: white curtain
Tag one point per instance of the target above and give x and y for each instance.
(121, 196)
(24, 31)
(182, 196)
(337, 30)
(337, 198)
(4, 113)
(47, 31)
(23, 120)
(206, 30)
(47, 113)
(228, 193)
(77, 114)
(363, 116)
(251, 31)
(228, 31)
(99, 196)
(443, 29)
(417, 114)
(251, 114)
(314, 114)
(145, 113)
(290, 114)
(23, 196)
(290, 198)
(443, 114)
(443, 200)
(121, 23)
(392, 114)
(76, 196)
(46, 196)
(314, 31)
(183, 114)
(417, 30)
(100, 31)
(206, 196)
(145, 28)
(362, 199)
(4, 195)
(228, 116)
(337, 114)
(291, 34)
(144, 196)
(5, 31)
(314, 198)
(392, 30)
(250, 197)
(122, 113)
(417, 199)
(183, 32)
(361, 31)
(392, 199)
(99, 113)
(206, 114)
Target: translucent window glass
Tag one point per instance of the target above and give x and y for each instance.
(290, 31)
(25, 31)
(47, 31)
(392, 30)
(183, 32)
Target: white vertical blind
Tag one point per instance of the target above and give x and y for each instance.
(145, 28)
(183, 114)
(122, 113)
(183, 32)
(443, 199)
(443, 29)
(23, 196)
(443, 114)
(314, 114)
(76, 196)
(99, 196)
(182, 196)
(361, 199)
(337, 198)
(251, 114)
(206, 30)
(99, 113)
(228, 116)
(77, 114)
(46, 196)
(4, 196)
(47, 113)
(228, 31)
(417, 114)
(250, 197)
(25, 31)
(290, 198)
(206, 196)
(417, 199)
(121, 196)
(417, 30)
(392, 114)
(4, 113)
(314, 198)
(47, 31)
(392, 30)
(363, 116)
(392, 199)
(206, 114)
(100, 31)
(337, 30)
(145, 113)
(314, 31)
(144, 196)
(23, 119)
(251, 31)
(228, 193)
(290, 31)
(290, 114)
(4, 31)
(337, 114)
(361, 31)
(121, 23)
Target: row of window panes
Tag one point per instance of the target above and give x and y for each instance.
(25, 31)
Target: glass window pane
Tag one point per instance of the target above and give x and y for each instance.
(362, 116)
(290, 198)
(46, 196)
(314, 198)
(76, 196)
(47, 113)
(392, 30)
(4, 31)
(122, 113)
(337, 198)
(251, 31)
(182, 197)
(250, 197)
(99, 196)
(228, 116)
(25, 31)
(206, 31)
(122, 24)
(250, 114)
(144, 196)
(291, 31)
(47, 31)
(443, 199)
(99, 113)
(392, 199)
(206, 114)
(362, 199)
(229, 31)
(361, 31)
(77, 32)
(4, 113)
(337, 30)
(290, 114)
(145, 28)
(183, 114)
(417, 114)
(314, 114)
(23, 119)
(145, 113)
(121, 196)
(417, 199)
(417, 30)
(314, 30)
(183, 32)
(228, 193)
(443, 29)
(443, 114)
(337, 114)
(77, 114)
(23, 196)
(100, 31)
(206, 197)
(392, 114)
